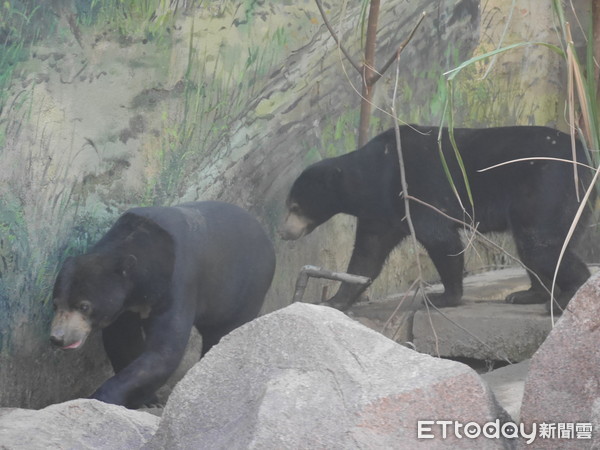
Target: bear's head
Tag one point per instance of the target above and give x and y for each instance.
(89, 293)
(313, 199)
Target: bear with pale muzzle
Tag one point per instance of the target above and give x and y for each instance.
(520, 179)
(154, 275)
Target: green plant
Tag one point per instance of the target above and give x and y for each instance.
(219, 89)
(22, 23)
(582, 81)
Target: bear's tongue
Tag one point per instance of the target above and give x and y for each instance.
(73, 345)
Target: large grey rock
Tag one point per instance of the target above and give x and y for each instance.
(309, 377)
(563, 386)
(77, 424)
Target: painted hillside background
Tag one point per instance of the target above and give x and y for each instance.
(105, 105)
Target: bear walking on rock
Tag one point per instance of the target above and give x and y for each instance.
(156, 273)
(535, 199)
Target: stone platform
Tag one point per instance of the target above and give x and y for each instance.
(483, 327)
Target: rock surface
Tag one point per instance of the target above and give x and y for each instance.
(309, 377)
(507, 384)
(563, 386)
(78, 424)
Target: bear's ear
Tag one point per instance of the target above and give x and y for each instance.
(127, 264)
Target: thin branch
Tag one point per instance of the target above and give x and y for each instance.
(336, 39)
(385, 112)
(397, 309)
(369, 75)
(317, 272)
(404, 185)
(404, 193)
(576, 219)
(368, 72)
(396, 54)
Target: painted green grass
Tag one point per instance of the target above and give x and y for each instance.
(132, 19)
(216, 94)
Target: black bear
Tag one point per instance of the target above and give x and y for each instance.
(535, 199)
(156, 273)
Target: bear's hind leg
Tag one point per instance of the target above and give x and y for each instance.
(539, 257)
(527, 297)
(539, 251)
(537, 293)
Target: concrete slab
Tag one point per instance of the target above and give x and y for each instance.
(393, 317)
(483, 327)
(485, 330)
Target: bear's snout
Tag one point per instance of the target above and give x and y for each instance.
(69, 330)
(294, 227)
(57, 340)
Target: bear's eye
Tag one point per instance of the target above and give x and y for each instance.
(83, 307)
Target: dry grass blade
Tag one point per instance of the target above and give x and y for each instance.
(580, 84)
(537, 158)
(571, 106)
(582, 206)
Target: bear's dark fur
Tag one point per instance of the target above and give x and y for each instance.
(535, 199)
(156, 273)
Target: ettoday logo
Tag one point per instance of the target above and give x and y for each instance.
(430, 429)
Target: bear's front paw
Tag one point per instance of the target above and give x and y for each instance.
(107, 395)
(343, 302)
(342, 305)
(528, 297)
